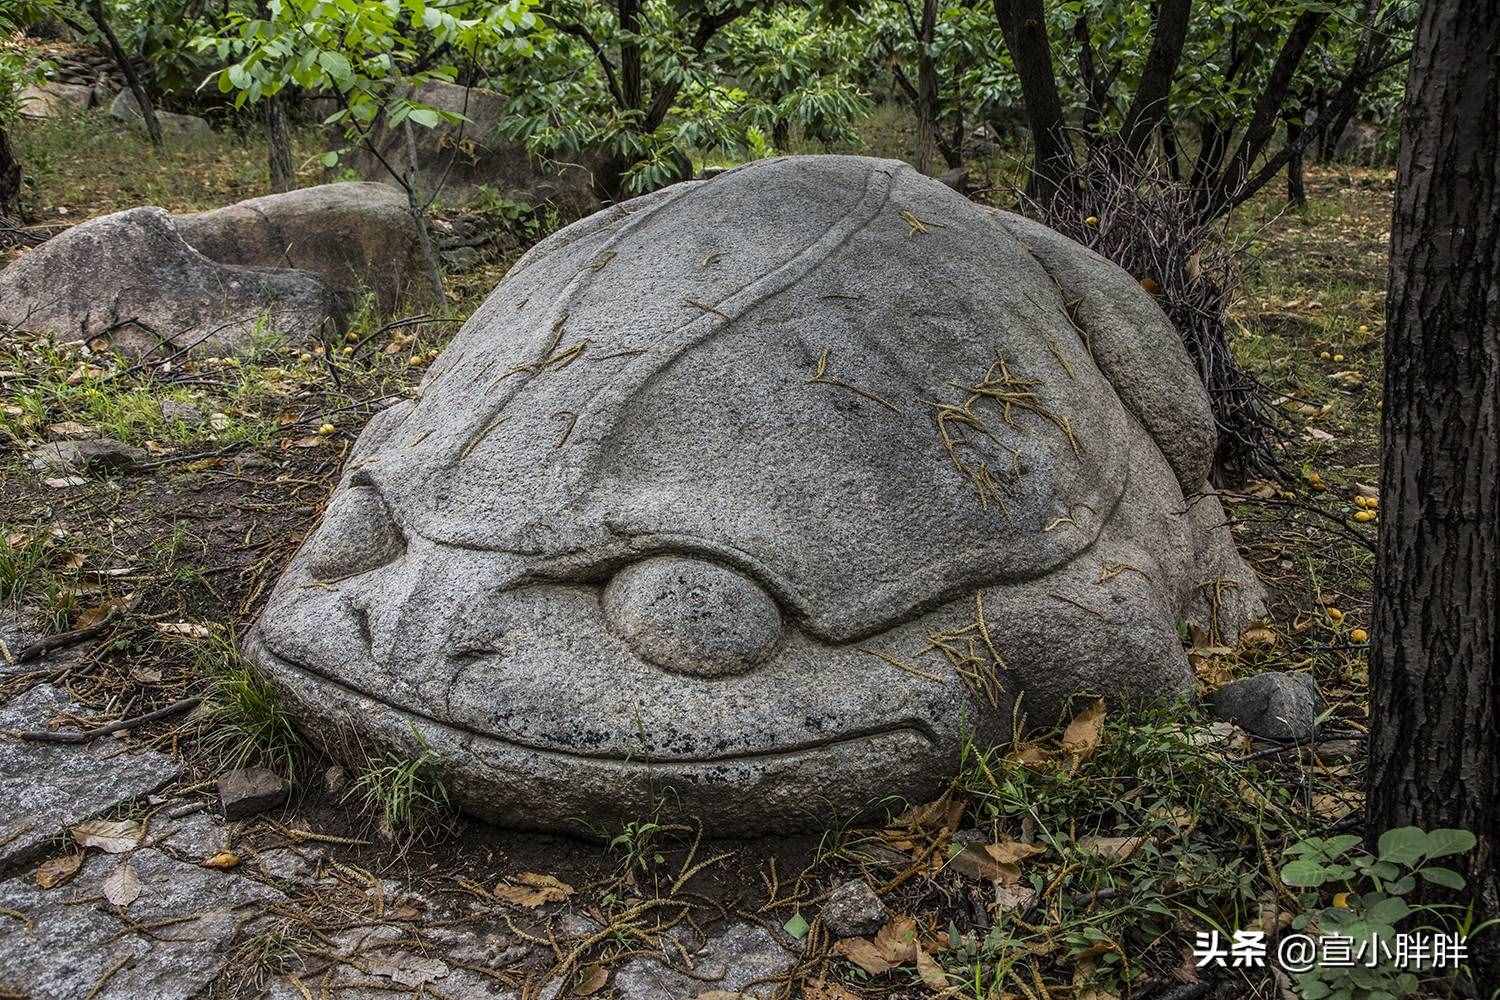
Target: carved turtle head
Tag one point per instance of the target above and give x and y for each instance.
(745, 498)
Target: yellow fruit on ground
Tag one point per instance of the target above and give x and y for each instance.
(1335, 615)
(1326, 356)
(306, 359)
(1338, 357)
(1092, 220)
(1359, 635)
(326, 429)
(1364, 516)
(1360, 502)
(416, 360)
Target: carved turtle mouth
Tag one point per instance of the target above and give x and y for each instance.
(917, 730)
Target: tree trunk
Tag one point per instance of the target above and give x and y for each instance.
(1149, 106)
(279, 147)
(419, 217)
(148, 113)
(1435, 690)
(1024, 25)
(10, 175)
(927, 87)
(1296, 180)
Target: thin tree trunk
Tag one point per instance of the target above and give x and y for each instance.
(1296, 180)
(1024, 25)
(1435, 689)
(927, 87)
(1170, 151)
(279, 147)
(419, 216)
(148, 113)
(1149, 107)
(10, 174)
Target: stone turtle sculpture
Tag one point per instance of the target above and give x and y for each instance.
(754, 500)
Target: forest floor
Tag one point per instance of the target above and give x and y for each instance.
(1149, 829)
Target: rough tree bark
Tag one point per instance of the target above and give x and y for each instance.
(10, 175)
(1435, 683)
(927, 86)
(279, 147)
(1148, 109)
(142, 99)
(1024, 25)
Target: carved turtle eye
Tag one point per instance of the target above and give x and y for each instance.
(692, 616)
(358, 534)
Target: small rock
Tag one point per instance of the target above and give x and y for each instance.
(853, 910)
(173, 126)
(1278, 706)
(461, 258)
(335, 779)
(249, 791)
(173, 411)
(86, 453)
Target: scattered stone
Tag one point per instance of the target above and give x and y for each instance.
(185, 413)
(249, 791)
(853, 910)
(131, 278)
(465, 158)
(285, 864)
(79, 455)
(732, 959)
(1276, 705)
(62, 951)
(45, 788)
(761, 676)
(126, 109)
(356, 236)
(54, 100)
(195, 837)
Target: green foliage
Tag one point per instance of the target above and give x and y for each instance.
(1368, 903)
(405, 791)
(370, 55)
(244, 720)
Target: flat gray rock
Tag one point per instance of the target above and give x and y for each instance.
(754, 500)
(1276, 705)
(738, 958)
(130, 277)
(87, 453)
(63, 950)
(45, 788)
(356, 236)
(174, 127)
(853, 910)
(53, 100)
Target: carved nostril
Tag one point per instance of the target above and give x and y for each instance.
(692, 616)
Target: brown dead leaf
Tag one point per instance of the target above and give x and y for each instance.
(223, 861)
(1013, 898)
(930, 972)
(1084, 733)
(123, 886)
(57, 871)
(815, 989)
(863, 953)
(1011, 852)
(530, 890)
(594, 980)
(897, 940)
(974, 863)
(1111, 848)
(112, 836)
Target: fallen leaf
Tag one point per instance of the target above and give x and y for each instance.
(530, 890)
(310, 441)
(864, 954)
(1010, 852)
(70, 429)
(65, 482)
(1112, 848)
(1013, 898)
(897, 940)
(53, 873)
(596, 979)
(1083, 734)
(930, 972)
(223, 861)
(112, 836)
(977, 864)
(818, 990)
(123, 886)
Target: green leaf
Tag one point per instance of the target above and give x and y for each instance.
(1303, 873)
(1446, 877)
(1404, 845)
(425, 117)
(796, 927)
(1388, 910)
(330, 159)
(1441, 843)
